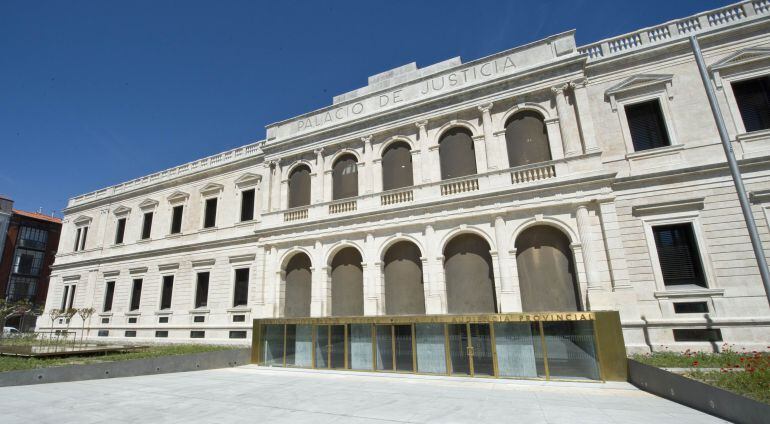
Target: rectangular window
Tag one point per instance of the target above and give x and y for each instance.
(241, 292)
(104, 333)
(136, 294)
(197, 334)
(691, 308)
(105, 320)
(166, 290)
(161, 333)
(71, 301)
(237, 334)
(753, 98)
(202, 290)
(33, 238)
(77, 239)
(646, 125)
(698, 335)
(210, 220)
(109, 293)
(199, 318)
(147, 225)
(176, 219)
(678, 254)
(247, 205)
(21, 288)
(64, 298)
(28, 262)
(120, 231)
(130, 333)
(163, 320)
(83, 238)
(132, 320)
(239, 318)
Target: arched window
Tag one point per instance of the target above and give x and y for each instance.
(298, 284)
(397, 166)
(526, 139)
(345, 177)
(546, 270)
(470, 281)
(457, 154)
(347, 283)
(299, 186)
(404, 293)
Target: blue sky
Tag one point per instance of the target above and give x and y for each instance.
(93, 93)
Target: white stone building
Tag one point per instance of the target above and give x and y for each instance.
(545, 177)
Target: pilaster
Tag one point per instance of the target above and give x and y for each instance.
(569, 131)
(422, 141)
(493, 156)
(584, 115)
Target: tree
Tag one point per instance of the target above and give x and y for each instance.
(12, 309)
(54, 314)
(68, 314)
(85, 313)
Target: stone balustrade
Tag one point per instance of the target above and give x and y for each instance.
(343, 206)
(460, 186)
(295, 215)
(401, 196)
(677, 29)
(533, 173)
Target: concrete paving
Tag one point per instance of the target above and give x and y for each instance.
(252, 394)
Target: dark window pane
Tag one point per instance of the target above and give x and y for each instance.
(211, 213)
(64, 298)
(161, 333)
(83, 238)
(109, 293)
(130, 333)
(136, 294)
(247, 205)
(199, 318)
(197, 334)
(345, 177)
(457, 154)
(678, 255)
(698, 335)
(176, 219)
(397, 166)
(71, 302)
(299, 187)
(202, 290)
(237, 334)
(241, 287)
(646, 124)
(147, 225)
(168, 287)
(33, 238)
(753, 98)
(239, 318)
(77, 240)
(527, 139)
(691, 307)
(21, 288)
(120, 231)
(163, 320)
(103, 333)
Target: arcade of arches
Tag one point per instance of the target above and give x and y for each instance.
(544, 261)
(526, 141)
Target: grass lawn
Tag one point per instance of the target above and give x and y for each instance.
(743, 372)
(11, 363)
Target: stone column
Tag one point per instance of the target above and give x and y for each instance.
(435, 301)
(416, 167)
(327, 185)
(480, 148)
(614, 245)
(569, 132)
(376, 180)
(367, 159)
(271, 275)
(275, 203)
(285, 193)
(318, 281)
(422, 142)
(584, 115)
(268, 187)
(494, 159)
(507, 293)
(258, 294)
(586, 239)
(318, 183)
(554, 138)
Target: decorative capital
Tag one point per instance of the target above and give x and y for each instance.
(579, 83)
(560, 89)
(421, 124)
(485, 108)
(319, 151)
(366, 139)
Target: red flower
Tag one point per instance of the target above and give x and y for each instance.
(695, 363)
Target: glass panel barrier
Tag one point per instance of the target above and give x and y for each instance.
(291, 333)
(481, 341)
(404, 359)
(303, 346)
(571, 350)
(431, 348)
(384, 347)
(273, 345)
(321, 346)
(515, 345)
(337, 351)
(458, 349)
(360, 346)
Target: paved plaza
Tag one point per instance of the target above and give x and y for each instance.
(252, 394)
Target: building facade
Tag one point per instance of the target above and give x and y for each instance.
(28, 252)
(549, 177)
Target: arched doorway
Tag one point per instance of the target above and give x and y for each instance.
(526, 139)
(397, 166)
(456, 153)
(299, 186)
(404, 292)
(345, 177)
(470, 280)
(347, 280)
(298, 284)
(546, 270)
